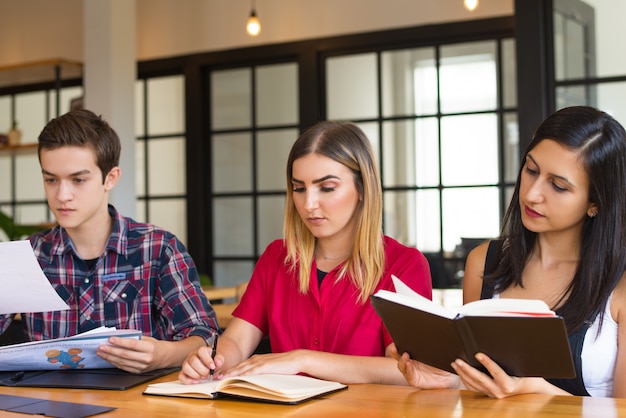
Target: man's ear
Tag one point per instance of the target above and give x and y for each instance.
(112, 178)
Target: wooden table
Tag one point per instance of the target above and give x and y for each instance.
(361, 401)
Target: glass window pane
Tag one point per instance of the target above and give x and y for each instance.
(30, 111)
(69, 95)
(409, 82)
(231, 102)
(270, 219)
(272, 152)
(232, 226)
(611, 100)
(412, 217)
(511, 147)
(166, 166)
(166, 105)
(351, 87)
(509, 73)
(609, 17)
(468, 77)
(473, 221)
(231, 273)
(31, 214)
(427, 210)
(6, 177)
(140, 213)
(5, 114)
(574, 95)
(411, 153)
(170, 214)
(139, 108)
(28, 180)
(569, 47)
(277, 94)
(232, 162)
(140, 168)
(469, 149)
(370, 129)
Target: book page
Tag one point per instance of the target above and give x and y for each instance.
(506, 307)
(262, 386)
(77, 352)
(25, 288)
(404, 295)
(417, 302)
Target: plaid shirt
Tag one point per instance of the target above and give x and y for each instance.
(145, 280)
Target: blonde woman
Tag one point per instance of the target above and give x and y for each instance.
(309, 292)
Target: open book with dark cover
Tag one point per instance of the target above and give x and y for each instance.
(273, 388)
(523, 336)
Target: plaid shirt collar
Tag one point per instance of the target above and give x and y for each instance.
(118, 240)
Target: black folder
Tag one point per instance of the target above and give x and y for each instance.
(111, 379)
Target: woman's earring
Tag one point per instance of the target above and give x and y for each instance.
(593, 214)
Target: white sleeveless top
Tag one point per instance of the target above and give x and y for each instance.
(600, 354)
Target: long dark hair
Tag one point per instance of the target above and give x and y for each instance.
(600, 142)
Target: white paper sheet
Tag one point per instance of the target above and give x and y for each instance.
(23, 285)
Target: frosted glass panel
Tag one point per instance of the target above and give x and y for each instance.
(370, 129)
(166, 166)
(509, 75)
(611, 100)
(270, 222)
(30, 114)
(272, 152)
(231, 99)
(277, 94)
(140, 166)
(464, 220)
(68, 95)
(468, 77)
(170, 214)
(411, 153)
(29, 181)
(469, 149)
(351, 87)
(409, 82)
(231, 273)
(412, 217)
(570, 59)
(5, 114)
(139, 108)
(232, 226)
(31, 214)
(5, 177)
(511, 147)
(166, 105)
(232, 162)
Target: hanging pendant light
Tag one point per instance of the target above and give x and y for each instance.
(253, 27)
(470, 5)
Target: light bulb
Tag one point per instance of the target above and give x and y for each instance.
(253, 27)
(470, 5)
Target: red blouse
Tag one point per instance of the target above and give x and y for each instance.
(327, 318)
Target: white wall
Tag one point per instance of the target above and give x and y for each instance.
(32, 30)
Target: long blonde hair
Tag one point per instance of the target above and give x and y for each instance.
(345, 143)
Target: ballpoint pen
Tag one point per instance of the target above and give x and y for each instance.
(213, 351)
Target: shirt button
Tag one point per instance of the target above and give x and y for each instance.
(124, 295)
(88, 317)
(316, 341)
(87, 280)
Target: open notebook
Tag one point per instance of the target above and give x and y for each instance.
(274, 388)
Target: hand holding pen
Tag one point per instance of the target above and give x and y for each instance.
(213, 351)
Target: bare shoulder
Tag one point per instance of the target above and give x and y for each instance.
(618, 300)
(474, 270)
